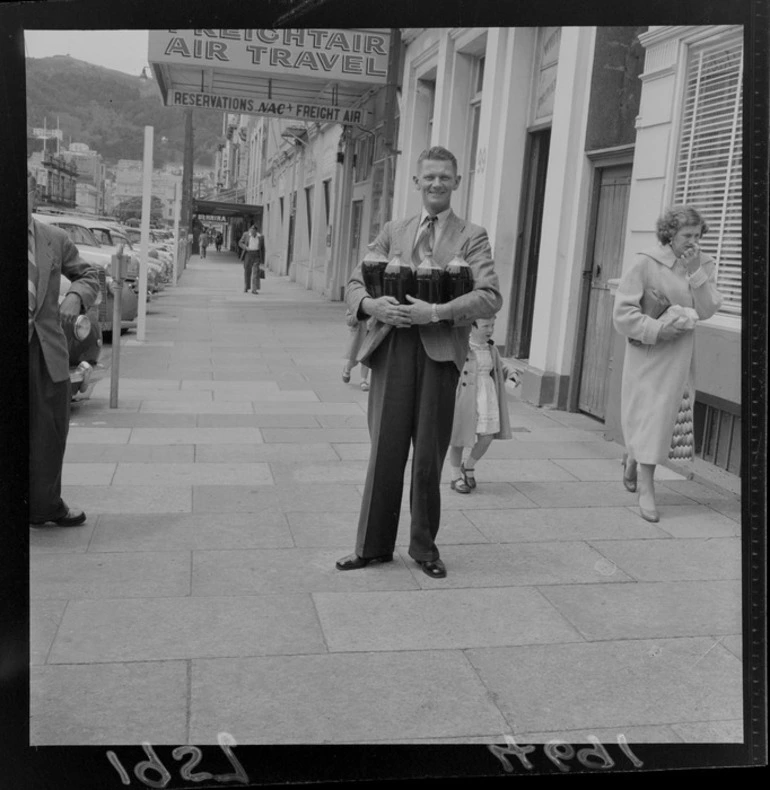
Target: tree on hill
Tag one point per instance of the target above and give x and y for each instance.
(132, 209)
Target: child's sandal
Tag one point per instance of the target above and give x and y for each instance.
(469, 476)
(460, 486)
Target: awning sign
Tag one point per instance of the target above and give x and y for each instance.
(211, 217)
(328, 113)
(322, 54)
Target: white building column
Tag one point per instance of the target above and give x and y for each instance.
(565, 219)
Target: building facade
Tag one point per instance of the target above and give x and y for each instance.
(571, 142)
(56, 181)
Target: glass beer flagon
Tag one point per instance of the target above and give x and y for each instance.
(372, 268)
(398, 279)
(430, 277)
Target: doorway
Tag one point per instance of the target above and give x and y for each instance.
(292, 218)
(604, 262)
(528, 247)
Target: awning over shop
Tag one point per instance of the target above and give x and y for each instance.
(301, 74)
(214, 209)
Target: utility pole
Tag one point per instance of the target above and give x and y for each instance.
(187, 179)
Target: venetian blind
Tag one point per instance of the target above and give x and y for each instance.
(708, 174)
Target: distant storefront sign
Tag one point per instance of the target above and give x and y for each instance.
(277, 109)
(348, 55)
(212, 218)
(42, 133)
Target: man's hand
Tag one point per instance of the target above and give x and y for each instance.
(669, 332)
(70, 308)
(419, 311)
(388, 310)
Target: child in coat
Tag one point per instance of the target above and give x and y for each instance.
(481, 412)
(357, 335)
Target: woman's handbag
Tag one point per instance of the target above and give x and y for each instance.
(683, 438)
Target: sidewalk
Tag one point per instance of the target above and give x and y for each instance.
(201, 595)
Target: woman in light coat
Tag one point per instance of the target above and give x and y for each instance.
(657, 369)
(481, 412)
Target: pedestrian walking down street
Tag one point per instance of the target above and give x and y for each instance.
(357, 335)
(51, 254)
(415, 369)
(657, 305)
(219, 239)
(481, 411)
(203, 241)
(253, 245)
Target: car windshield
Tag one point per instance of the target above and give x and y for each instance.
(103, 236)
(79, 235)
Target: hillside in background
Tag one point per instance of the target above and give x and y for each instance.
(108, 111)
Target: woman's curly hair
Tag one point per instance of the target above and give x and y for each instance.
(677, 217)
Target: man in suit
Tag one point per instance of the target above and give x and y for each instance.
(253, 245)
(415, 369)
(51, 254)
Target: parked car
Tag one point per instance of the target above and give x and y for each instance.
(157, 271)
(101, 257)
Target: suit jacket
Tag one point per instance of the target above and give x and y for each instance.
(55, 255)
(244, 245)
(445, 341)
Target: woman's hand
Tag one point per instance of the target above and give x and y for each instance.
(690, 258)
(669, 332)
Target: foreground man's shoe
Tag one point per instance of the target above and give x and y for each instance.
(434, 568)
(353, 561)
(73, 518)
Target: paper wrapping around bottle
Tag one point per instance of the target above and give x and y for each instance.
(683, 438)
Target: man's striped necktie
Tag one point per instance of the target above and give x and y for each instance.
(425, 240)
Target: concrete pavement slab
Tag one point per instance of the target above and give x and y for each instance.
(252, 499)
(587, 494)
(193, 474)
(515, 470)
(103, 576)
(675, 560)
(607, 469)
(313, 408)
(562, 523)
(336, 435)
(487, 496)
(440, 619)
(174, 396)
(711, 731)
(643, 610)
(126, 384)
(327, 472)
(98, 435)
(174, 407)
(734, 643)
(112, 704)
(88, 474)
(552, 450)
(556, 434)
(187, 532)
(293, 570)
(128, 499)
(342, 421)
(49, 538)
(612, 684)
(44, 619)
(340, 698)
(697, 491)
(129, 453)
(283, 453)
(355, 451)
(522, 564)
(727, 507)
(195, 436)
(144, 629)
(574, 420)
(135, 420)
(245, 388)
(257, 421)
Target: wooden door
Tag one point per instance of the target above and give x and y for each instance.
(528, 247)
(606, 262)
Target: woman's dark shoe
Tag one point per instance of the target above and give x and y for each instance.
(460, 486)
(629, 481)
(353, 561)
(346, 375)
(469, 475)
(434, 568)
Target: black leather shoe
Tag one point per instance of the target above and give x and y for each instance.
(72, 518)
(434, 568)
(353, 561)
